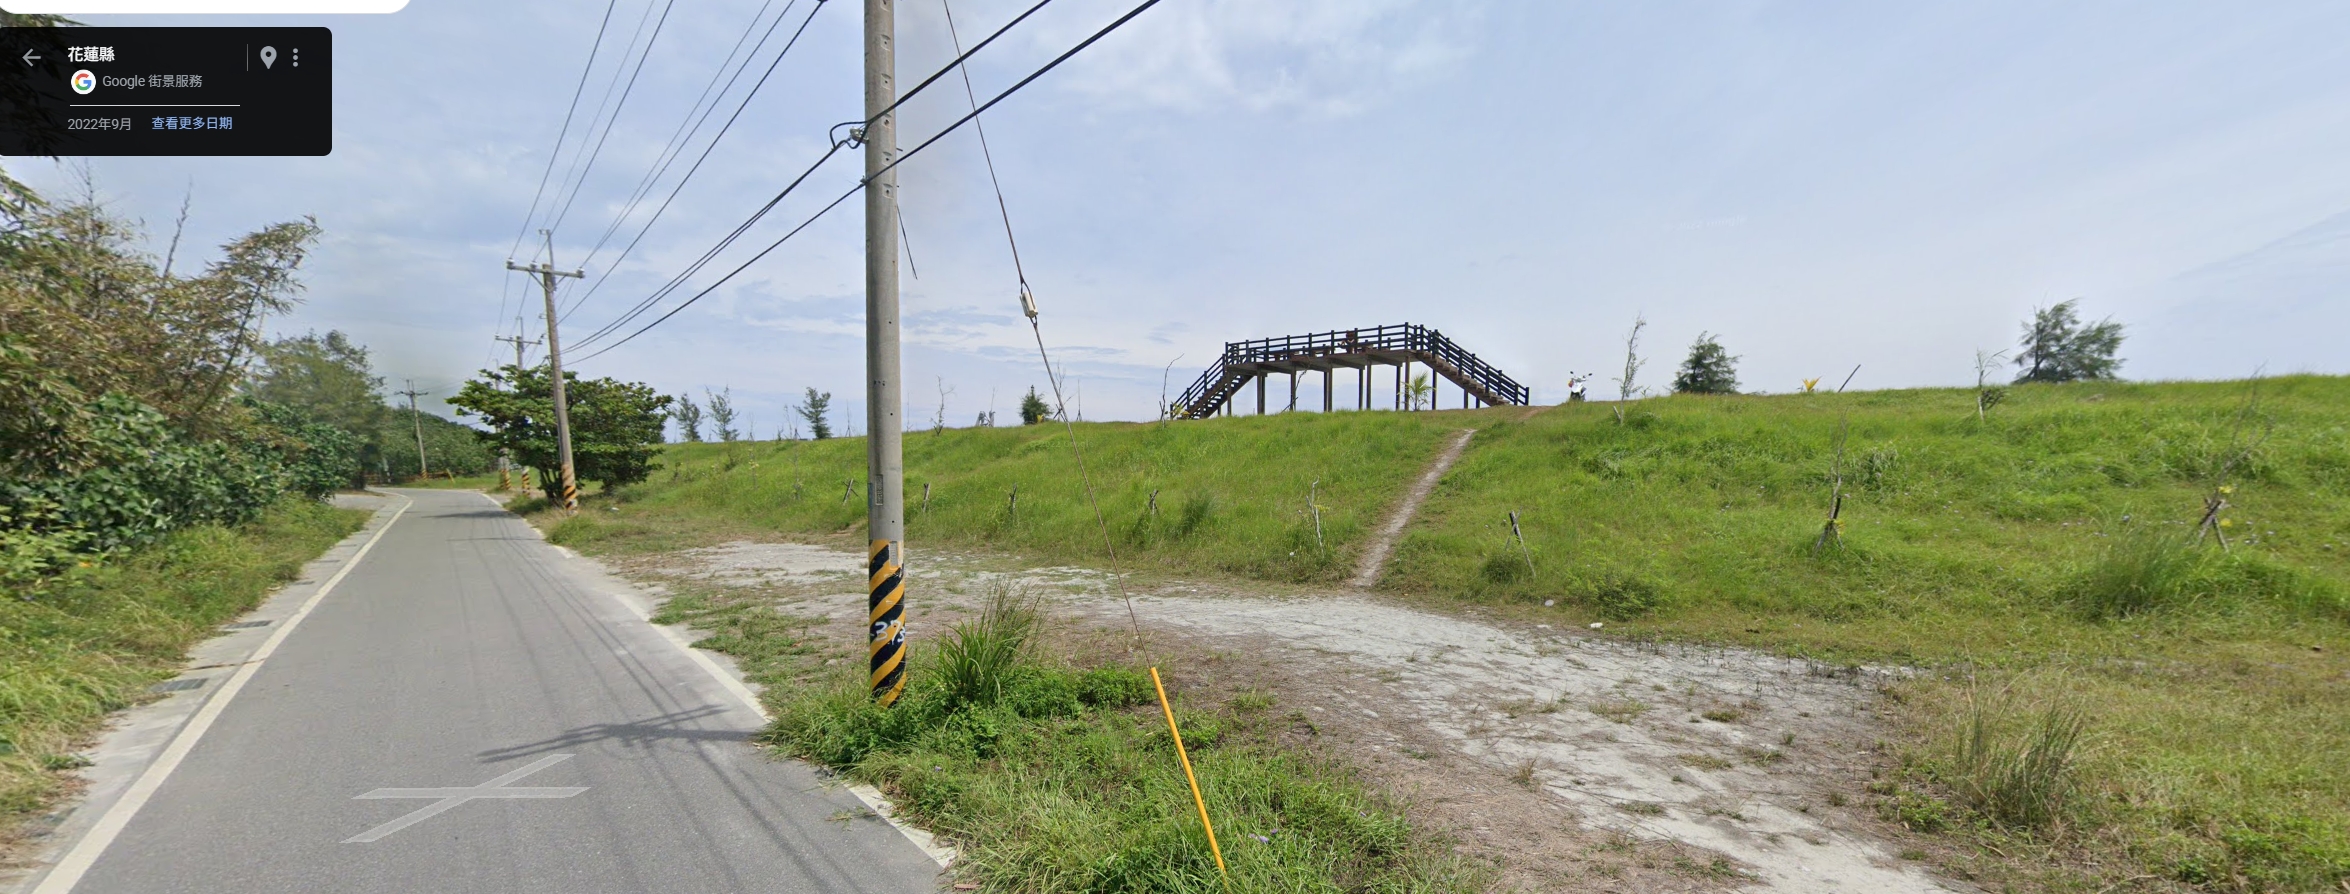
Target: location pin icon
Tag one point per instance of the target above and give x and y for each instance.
(268, 56)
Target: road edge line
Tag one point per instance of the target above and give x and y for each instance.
(69, 869)
(872, 797)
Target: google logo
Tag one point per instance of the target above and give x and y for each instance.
(84, 82)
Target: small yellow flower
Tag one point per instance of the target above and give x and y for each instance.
(2226, 489)
(2227, 522)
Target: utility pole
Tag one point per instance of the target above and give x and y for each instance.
(415, 417)
(547, 273)
(506, 457)
(885, 507)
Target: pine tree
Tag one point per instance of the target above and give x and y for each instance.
(1033, 409)
(1710, 369)
(688, 418)
(2058, 348)
(815, 410)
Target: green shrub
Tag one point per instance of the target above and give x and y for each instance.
(1113, 686)
(1620, 597)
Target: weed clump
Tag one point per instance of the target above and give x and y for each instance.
(2141, 571)
(1619, 596)
(2015, 763)
(2148, 572)
(1063, 780)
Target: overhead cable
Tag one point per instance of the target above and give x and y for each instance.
(901, 159)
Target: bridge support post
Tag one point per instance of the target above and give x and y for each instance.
(1328, 374)
(1260, 394)
(1292, 408)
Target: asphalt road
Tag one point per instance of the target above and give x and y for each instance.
(519, 730)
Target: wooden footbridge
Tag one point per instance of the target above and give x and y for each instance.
(1218, 390)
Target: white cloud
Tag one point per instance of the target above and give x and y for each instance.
(1322, 57)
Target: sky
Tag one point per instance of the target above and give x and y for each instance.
(1820, 185)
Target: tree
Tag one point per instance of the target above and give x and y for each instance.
(1625, 390)
(1709, 370)
(722, 414)
(2058, 348)
(615, 426)
(689, 418)
(814, 409)
(1418, 394)
(1033, 408)
(448, 446)
(327, 377)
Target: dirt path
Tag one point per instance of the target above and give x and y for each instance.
(1391, 530)
(1576, 761)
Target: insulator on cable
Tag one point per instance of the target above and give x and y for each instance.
(1027, 302)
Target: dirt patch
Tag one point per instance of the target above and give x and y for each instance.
(1573, 760)
(1391, 529)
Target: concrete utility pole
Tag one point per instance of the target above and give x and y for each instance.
(547, 273)
(415, 417)
(506, 457)
(885, 506)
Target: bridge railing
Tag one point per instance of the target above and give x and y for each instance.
(1214, 384)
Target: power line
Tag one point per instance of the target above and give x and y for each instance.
(901, 159)
(705, 156)
(682, 136)
(557, 152)
(678, 281)
(609, 123)
(505, 290)
(988, 154)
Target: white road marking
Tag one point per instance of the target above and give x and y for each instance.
(446, 799)
(873, 799)
(85, 853)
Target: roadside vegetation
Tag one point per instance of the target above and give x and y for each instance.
(2109, 697)
(98, 635)
(1053, 776)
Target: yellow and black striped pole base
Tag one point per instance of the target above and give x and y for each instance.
(886, 637)
(570, 491)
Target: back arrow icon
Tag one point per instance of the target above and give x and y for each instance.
(29, 58)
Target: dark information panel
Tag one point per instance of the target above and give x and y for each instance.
(166, 91)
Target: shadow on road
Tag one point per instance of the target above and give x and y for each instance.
(633, 734)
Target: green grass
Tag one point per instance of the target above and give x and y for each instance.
(1232, 494)
(93, 641)
(1055, 778)
(2045, 551)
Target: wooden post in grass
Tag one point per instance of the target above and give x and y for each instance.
(926, 498)
(1196, 799)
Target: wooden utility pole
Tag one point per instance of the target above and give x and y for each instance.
(547, 273)
(506, 457)
(415, 417)
(885, 506)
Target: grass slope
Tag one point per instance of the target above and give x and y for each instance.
(1232, 495)
(2032, 560)
(93, 641)
(2039, 554)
